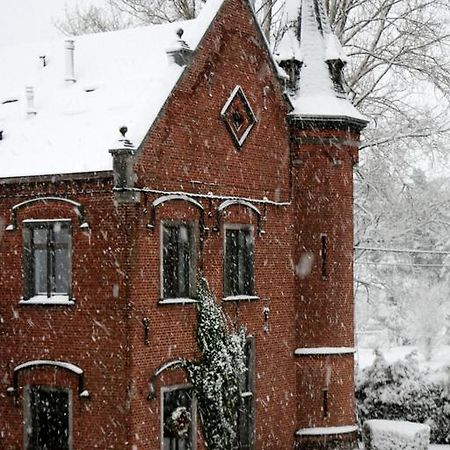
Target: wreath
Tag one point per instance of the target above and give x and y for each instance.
(179, 421)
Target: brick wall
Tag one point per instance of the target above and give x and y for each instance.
(90, 334)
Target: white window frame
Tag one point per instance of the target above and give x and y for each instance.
(177, 300)
(239, 226)
(54, 298)
(176, 387)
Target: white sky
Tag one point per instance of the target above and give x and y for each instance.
(33, 20)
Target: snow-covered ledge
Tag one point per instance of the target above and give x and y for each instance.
(177, 301)
(313, 351)
(239, 298)
(63, 300)
(324, 431)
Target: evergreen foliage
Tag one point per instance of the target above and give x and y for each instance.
(400, 391)
(216, 376)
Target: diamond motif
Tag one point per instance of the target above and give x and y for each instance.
(238, 116)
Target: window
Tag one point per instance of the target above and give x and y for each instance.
(246, 418)
(48, 416)
(47, 258)
(179, 417)
(178, 259)
(239, 258)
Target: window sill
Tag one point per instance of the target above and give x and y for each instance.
(238, 298)
(177, 301)
(43, 300)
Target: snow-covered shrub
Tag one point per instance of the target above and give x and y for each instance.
(400, 391)
(216, 376)
(427, 318)
(395, 435)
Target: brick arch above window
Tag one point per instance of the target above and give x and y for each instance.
(177, 197)
(227, 203)
(168, 365)
(79, 209)
(44, 363)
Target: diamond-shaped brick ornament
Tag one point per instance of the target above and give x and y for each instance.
(238, 116)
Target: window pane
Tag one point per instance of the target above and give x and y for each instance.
(61, 233)
(61, 271)
(231, 263)
(170, 261)
(247, 264)
(40, 271)
(178, 415)
(49, 419)
(40, 235)
(246, 409)
(184, 261)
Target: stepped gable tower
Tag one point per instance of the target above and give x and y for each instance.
(325, 133)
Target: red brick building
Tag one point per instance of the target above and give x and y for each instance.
(217, 168)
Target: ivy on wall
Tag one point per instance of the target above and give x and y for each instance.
(216, 376)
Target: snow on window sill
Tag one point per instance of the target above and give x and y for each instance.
(176, 301)
(324, 431)
(44, 300)
(237, 298)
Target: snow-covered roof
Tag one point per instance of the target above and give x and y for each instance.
(123, 78)
(308, 38)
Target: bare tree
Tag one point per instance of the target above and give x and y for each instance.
(92, 19)
(118, 14)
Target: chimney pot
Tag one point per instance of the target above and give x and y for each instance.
(29, 93)
(70, 60)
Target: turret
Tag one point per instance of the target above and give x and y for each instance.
(325, 132)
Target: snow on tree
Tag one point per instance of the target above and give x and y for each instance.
(427, 318)
(216, 375)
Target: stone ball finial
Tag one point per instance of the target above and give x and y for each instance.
(180, 32)
(123, 131)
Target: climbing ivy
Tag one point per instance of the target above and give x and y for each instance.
(215, 377)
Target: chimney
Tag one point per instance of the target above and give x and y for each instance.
(124, 176)
(29, 93)
(70, 65)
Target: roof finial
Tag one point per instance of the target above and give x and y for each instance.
(307, 43)
(181, 54)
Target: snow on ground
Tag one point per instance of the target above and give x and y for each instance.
(438, 366)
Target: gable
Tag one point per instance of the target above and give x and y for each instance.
(191, 142)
